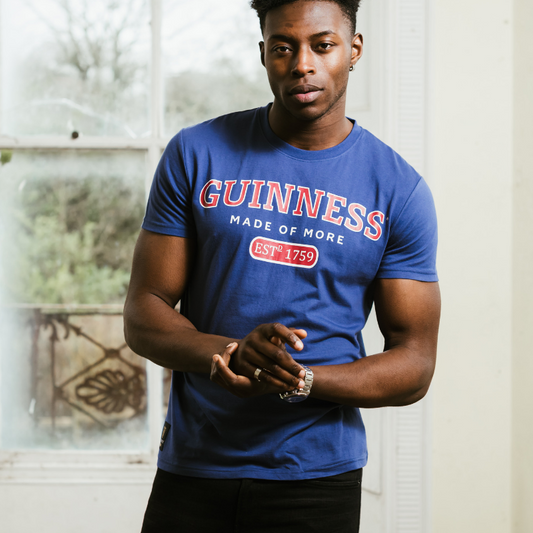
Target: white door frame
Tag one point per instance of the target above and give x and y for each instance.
(401, 437)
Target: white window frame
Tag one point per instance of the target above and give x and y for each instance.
(403, 478)
(22, 466)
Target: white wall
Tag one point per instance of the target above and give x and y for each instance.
(482, 171)
(76, 507)
(523, 269)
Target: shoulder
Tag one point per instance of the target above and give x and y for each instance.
(401, 190)
(386, 163)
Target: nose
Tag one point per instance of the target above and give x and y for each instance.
(303, 63)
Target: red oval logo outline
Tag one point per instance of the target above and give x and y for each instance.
(284, 253)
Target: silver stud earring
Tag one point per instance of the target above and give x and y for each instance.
(351, 68)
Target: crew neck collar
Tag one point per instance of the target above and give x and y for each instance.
(307, 155)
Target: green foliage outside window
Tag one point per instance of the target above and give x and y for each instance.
(68, 239)
(69, 220)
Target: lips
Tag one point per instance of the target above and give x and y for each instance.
(305, 93)
(304, 89)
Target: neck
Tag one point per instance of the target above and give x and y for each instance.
(317, 134)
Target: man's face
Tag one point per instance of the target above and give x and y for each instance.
(307, 51)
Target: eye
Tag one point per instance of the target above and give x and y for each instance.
(282, 49)
(325, 46)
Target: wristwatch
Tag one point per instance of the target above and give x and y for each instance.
(299, 395)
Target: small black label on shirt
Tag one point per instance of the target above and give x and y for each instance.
(164, 433)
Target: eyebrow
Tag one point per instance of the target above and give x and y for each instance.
(281, 37)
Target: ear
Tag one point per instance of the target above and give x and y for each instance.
(262, 50)
(357, 48)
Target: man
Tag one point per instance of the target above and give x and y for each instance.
(278, 228)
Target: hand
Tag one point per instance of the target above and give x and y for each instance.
(264, 348)
(248, 385)
(241, 386)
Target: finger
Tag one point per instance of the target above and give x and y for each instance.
(276, 341)
(274, 359)
(302, 334)
(263, 375)
(216, 363)
(222, 370)
(287, 336)
(229, 351)
(265, 348)
(279, 363)
(222, 359)
(275, 375)
(264, 368)
(224, 376)
(278, 360)
(241, 386)
(230, 348)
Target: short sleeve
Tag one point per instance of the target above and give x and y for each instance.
(412, 245)
(169, 208)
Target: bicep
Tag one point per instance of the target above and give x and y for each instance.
(161, 266)
(408, 314)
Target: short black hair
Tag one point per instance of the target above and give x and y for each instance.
(348, 7)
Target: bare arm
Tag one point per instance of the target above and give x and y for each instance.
(161, 267)
(408, 314)
(154, 329)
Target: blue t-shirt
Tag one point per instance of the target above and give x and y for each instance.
(291, 236)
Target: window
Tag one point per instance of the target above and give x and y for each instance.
(69, 222)
(90, 93)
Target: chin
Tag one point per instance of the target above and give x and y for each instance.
(307, 113)
(316, 110)
(311, 113)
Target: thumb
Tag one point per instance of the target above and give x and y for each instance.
(228, 352)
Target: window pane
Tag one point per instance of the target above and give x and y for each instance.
(211, 60)
(69, 221)
(68, 224)
(69, 381)
(75, 65)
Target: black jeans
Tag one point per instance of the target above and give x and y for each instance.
(181, 504)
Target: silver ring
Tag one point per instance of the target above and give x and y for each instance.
(257, 372)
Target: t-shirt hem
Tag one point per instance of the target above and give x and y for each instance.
(282, 474)
(165, 230)
(403, 274)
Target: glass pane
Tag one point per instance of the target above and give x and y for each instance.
(211, 60)
(68, 224)
(69, 221)
(69, 381)
(75, 66)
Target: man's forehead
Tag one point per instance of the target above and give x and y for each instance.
(313, 16)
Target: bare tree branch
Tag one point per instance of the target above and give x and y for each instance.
(96, 45)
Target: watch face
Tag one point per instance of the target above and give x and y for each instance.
(296, 397)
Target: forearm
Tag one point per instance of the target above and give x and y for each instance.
(159, 333)
(399, 376)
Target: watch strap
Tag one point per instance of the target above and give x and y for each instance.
(298, 395)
